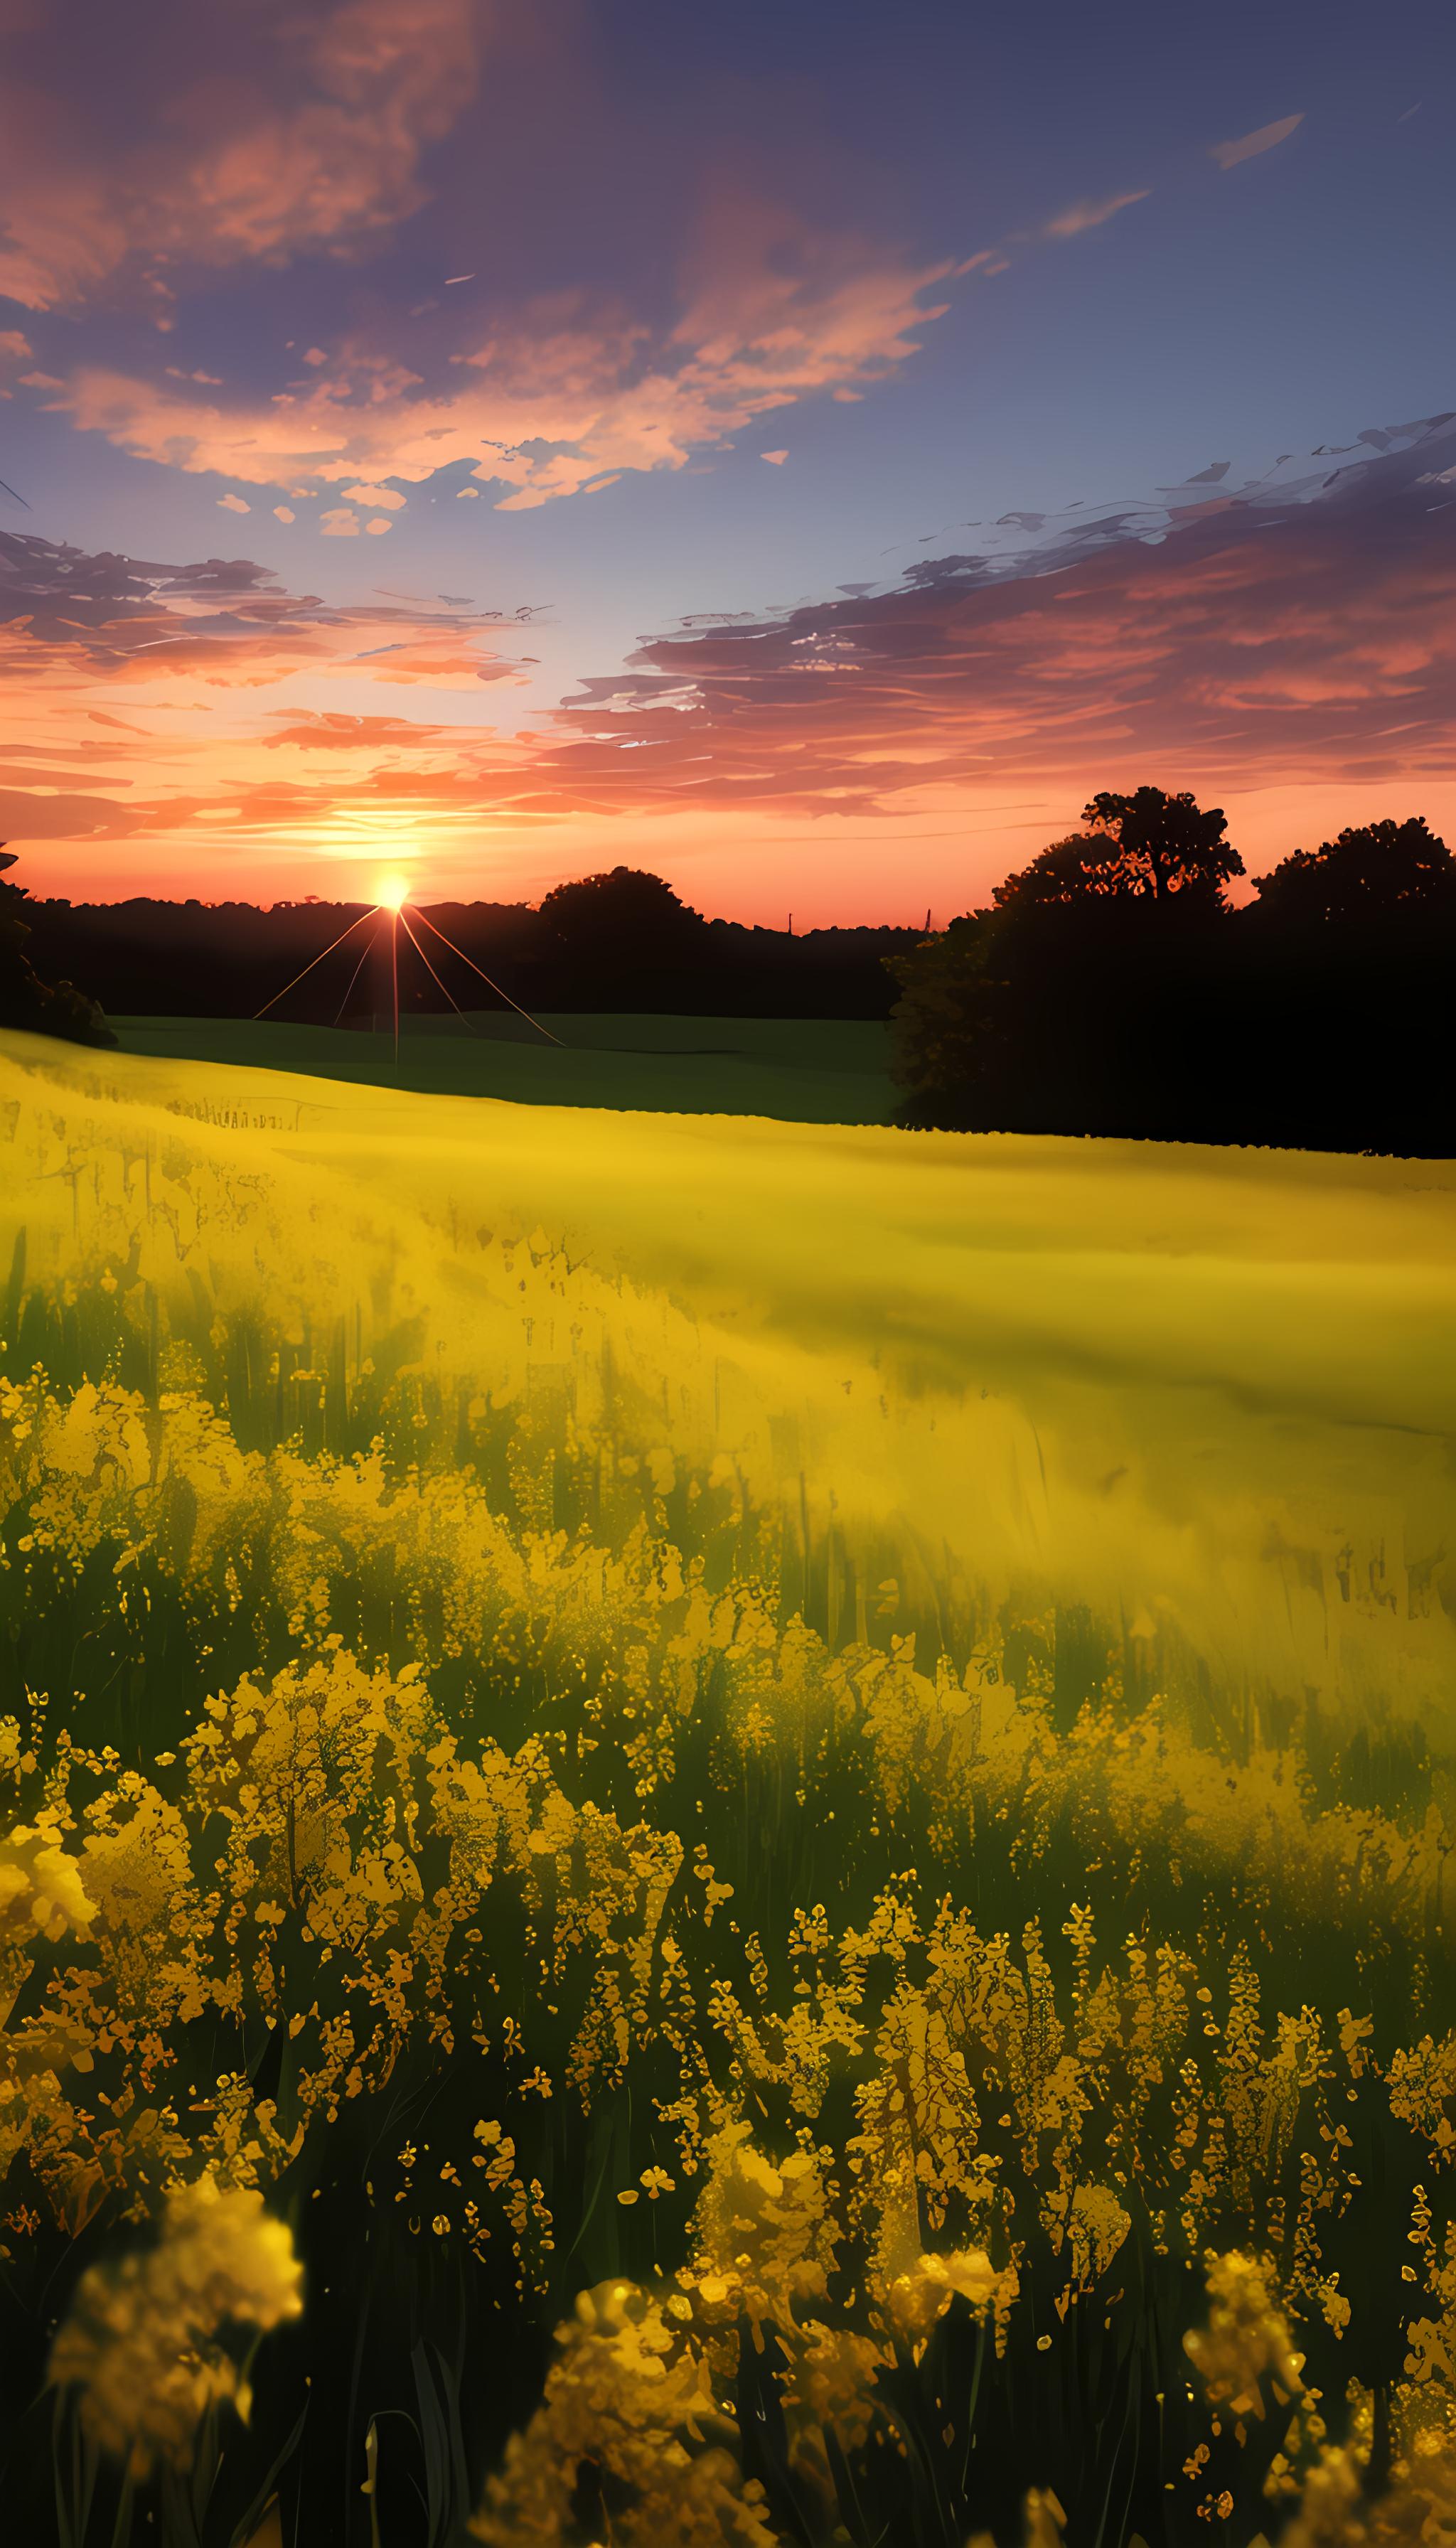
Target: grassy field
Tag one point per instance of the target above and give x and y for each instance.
(723, 1830)
(807, 1071)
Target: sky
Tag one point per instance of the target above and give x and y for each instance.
(805, 450)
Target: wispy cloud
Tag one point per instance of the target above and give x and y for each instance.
(1228, 155)
(1090, 215)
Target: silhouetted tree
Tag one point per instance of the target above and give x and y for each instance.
(1113, 989)
(626, 916)
(1168, 845)
(39, 1008)
(1373, 873)
(1147, 845)
(1084, 864)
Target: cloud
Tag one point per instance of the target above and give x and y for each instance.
(380, 522)
(1088, 215)
(1286, 646)
(328, 730)
(389, 496)
(1228, 155)
(281, 513)
(77, 628)
(777, 457)
(233, 504)
(259, 133)
(340, 523)
(40, 381)
(13, 347)
(1268, 635)
(568, 387)
(68, 619)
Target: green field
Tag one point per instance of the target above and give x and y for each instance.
(806, 1071)
(740, 1825)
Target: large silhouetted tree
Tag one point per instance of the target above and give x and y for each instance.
(625, 917)
(1167, 845)
(39, 1008)
(1373, 873)
(1147, 847)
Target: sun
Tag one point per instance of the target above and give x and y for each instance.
(391, 892)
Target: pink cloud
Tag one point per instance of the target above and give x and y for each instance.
(296, 135)
(1228, 155)
(771, 313)
(1091, 215)
(1260, 643)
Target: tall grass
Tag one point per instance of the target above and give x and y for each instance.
(787, 1796)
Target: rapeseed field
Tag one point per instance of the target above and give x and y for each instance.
(717, 1830)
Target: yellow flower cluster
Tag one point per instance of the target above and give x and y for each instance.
(890, 1976)
(140, 2346)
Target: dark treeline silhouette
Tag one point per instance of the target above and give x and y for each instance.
(620, 941)
(1111, 988)
(27, 998)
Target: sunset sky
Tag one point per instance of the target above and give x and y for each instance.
(801, 448)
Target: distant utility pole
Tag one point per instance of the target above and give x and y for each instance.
(790, 924)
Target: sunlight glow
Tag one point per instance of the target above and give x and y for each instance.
(392, 891)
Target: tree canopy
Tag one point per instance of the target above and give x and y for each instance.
(625, 915)
(39, 1008)
(1112, 990)
(1083, 866)
(1146, 845)
(1366, 873)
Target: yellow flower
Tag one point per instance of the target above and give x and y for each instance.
(140, 2347)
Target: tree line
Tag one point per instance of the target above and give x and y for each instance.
(620, 941)
(1112, 988)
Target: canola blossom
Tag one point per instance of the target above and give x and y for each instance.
(639, 1902)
